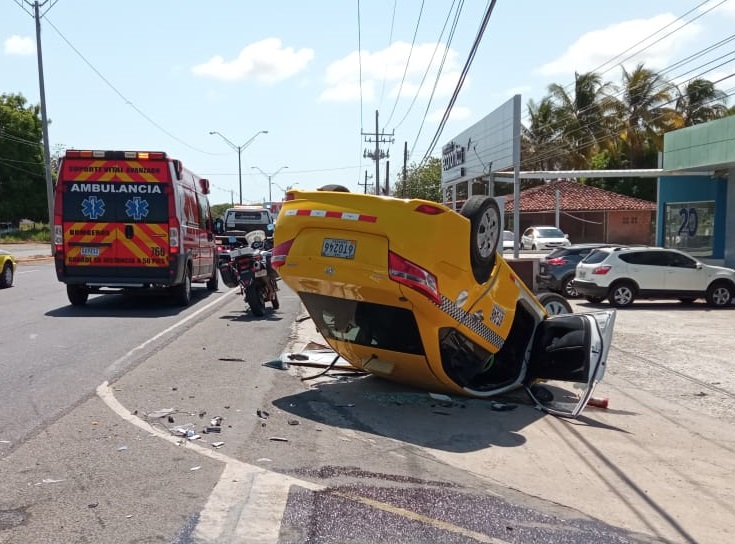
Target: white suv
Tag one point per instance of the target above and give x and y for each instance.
(622, 274)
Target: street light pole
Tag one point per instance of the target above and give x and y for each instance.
(239, 149)
(270, 179)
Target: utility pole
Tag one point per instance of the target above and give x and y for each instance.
(365, 184)
(44, 118)
(377, 138)
(387, 178)
(404, 189)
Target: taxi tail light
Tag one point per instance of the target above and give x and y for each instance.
(279, 253)
(412, 275)
(557, 261)
(602, 270)
(428, 209)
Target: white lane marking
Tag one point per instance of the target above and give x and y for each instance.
(246, 505)
(19, 272)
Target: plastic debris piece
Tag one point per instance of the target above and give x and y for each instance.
(216, 421)
(444, 400)
(232, 359)
(262, 414)
(278, 364)
(264, 460)
(278, 439)
(93, 505)
(502, 406)
(122, 448)
(192, 469)
(297, 357)
(160, 413)
(293, 421)
(212, 430)
(598, 402)
(217, 444)
(49, 481)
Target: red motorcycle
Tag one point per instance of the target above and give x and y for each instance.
(250, 268)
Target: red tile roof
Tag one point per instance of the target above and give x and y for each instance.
(575, 197)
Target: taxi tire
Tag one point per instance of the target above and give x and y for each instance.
(476, 209)
(77, 295)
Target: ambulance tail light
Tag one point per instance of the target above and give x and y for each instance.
(58, 238)
(173, 238)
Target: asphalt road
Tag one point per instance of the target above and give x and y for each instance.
(340, 458)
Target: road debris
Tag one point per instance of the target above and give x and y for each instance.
(217, 444)
(502, 406)
(443, 400)
(262, 414)
(160, 413)
(278, 439)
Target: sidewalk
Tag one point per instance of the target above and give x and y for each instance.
(27, 251)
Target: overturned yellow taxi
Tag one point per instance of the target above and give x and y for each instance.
(413, 291)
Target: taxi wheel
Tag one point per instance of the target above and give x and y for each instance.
(555, 304)
(484, 215)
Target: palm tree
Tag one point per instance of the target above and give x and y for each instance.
(645, 113)
(539, 147)
(582, 116)
(700, 102)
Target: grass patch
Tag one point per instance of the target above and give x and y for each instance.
(36, 233)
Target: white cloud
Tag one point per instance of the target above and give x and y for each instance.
(382, 72)
(18, 45)
(458, 113)
(597, 48)
(267, 61)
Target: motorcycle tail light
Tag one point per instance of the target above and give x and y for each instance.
(412, 275)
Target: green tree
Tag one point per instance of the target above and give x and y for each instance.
(581, 117)
(540, 139)
(422, 181)
(700, 102)
(22, 171)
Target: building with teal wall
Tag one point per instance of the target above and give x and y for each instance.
(696, 207)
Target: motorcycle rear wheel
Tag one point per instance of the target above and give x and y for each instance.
(257, 306)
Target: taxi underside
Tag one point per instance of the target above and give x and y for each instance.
(399, 294)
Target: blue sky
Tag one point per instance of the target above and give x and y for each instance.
(141, 75)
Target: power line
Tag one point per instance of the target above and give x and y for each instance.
(390, 41)
(125, 99)
(462, 77)
(408, 62)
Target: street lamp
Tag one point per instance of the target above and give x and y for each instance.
(239, 149)
(270, 179)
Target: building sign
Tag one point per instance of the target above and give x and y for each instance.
(453, 155)
(690, 226)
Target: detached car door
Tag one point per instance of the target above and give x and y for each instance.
(568, 358)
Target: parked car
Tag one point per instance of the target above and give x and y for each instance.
(509, 240)
(623, 274)
(7, 269)
(8, 228)
(458, 320)
(536, 238)
(556, 270)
